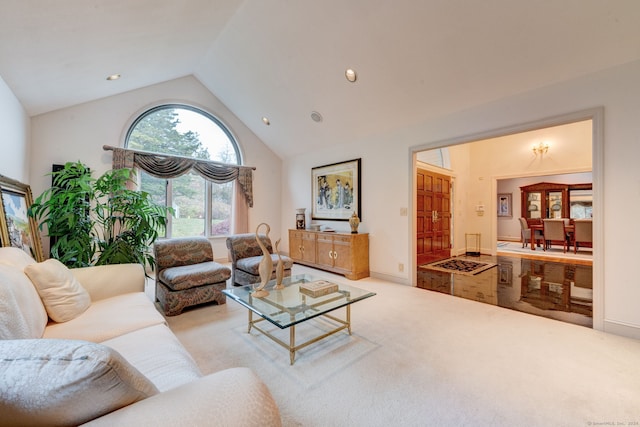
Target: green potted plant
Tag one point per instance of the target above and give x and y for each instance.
(98, 221)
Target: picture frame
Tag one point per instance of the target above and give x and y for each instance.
(505, 206)
(336, 191)
(17, 229)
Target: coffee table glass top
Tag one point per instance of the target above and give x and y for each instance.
(289, 306)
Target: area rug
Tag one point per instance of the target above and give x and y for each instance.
(459, 266)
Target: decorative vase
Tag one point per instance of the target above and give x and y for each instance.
(354, 222)
(300, 218)
(265, 268)
(279, 269)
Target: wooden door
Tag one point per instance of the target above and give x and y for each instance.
(295, 244)
(324, 254)
(342, 252)
(309, 247)
(433, 222)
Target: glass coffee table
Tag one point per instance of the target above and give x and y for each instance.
(289, 306)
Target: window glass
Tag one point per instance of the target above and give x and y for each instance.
(187, 131)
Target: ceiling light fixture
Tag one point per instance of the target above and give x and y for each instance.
(351, 75)
(113, 77)
(541, 148)
(266, 121)
(316, 117)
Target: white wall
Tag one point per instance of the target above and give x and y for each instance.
(386, 166)
(15, 143)
(79, 133)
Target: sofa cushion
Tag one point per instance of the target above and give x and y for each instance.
(232, 397)
(169, 365)
(22, 314)
(191, 276)
(108, 318)
(252, 264)
(65, 382)
(15, 257)
(63, 296)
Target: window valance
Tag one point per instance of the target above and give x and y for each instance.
(167, 166)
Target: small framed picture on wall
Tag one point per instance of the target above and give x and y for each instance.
(504, 205)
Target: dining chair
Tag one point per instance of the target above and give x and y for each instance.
(554, 233)
(525, 232)
(583, 233)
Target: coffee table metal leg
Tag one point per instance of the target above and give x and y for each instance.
(292, 344)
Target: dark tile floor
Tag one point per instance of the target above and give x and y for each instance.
(558, 290)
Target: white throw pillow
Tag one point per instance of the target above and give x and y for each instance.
(22, 314)
(65, 382)
(63, 296)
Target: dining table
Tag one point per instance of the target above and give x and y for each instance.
(569, 229)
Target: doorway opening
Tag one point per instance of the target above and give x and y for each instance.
(475, 206)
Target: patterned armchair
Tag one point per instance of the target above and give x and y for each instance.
(245, 255)
(187, 275)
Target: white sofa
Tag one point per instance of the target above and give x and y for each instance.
(112, 361)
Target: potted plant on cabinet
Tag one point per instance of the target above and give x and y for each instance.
(98, 221)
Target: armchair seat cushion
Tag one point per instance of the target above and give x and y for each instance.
(251, 265)
(191, 276)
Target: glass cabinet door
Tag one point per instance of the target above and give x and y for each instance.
(554, 204)
(534, 205)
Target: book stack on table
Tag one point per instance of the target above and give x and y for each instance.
(318, 288)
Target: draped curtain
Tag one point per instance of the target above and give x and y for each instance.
(166, 166)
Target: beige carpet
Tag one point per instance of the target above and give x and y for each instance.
(421, 358)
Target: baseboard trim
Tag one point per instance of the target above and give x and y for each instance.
(621, 328)
(390, 278)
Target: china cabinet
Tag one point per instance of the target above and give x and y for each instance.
(548, 200)
(545, 200)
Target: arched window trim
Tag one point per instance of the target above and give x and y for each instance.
(212, 171)
(167, 106)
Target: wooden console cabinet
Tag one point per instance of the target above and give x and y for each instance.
(341, 253)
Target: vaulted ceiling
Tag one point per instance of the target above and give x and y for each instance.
(283, 59)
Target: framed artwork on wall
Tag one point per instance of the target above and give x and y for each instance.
(335, 191)
(17, 229)
(505, 205)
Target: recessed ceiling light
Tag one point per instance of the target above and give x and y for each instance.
(113, 77)
(351, 75)
(266, 121)
(316, 117)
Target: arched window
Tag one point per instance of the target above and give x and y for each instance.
(201, 207)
